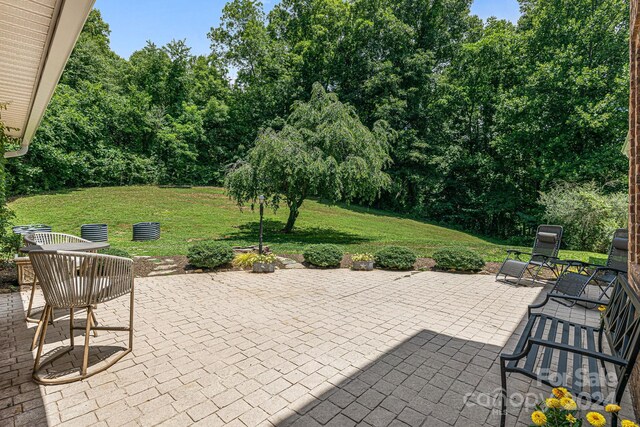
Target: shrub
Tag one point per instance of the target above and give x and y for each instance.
(244, 260)
(458, 259)
(323, 255)
(395, 258)
(362, 257)
(115, 252)
(588, 215)
(210, 254)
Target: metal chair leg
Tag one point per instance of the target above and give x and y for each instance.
(46, 314)
(85, 355)
(71, 334)
(33, 293)
(38, 332)
(503, 409)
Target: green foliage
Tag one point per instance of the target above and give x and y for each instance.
(362, 257)
(323, 150)
(209, 254)
(323, 255)
(588, 215)
(9, 242)
(479, 116)
(458, 259)
(115, 252)
(395, 258)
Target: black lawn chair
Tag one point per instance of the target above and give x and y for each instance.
(574, 283)
(543, 256)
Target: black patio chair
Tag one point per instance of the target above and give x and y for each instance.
(543, 256)
(574, 283)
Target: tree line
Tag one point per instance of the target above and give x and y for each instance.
(480, 116)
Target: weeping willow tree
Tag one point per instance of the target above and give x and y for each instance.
(323, 150)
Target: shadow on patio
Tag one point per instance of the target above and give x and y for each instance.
(429, 379)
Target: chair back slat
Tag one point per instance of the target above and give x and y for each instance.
(31, 239)
(548, 240)
(80, 279)
(619, 250)
(621, 326)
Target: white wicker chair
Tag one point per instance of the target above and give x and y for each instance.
(72, 280)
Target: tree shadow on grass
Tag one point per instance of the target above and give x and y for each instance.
(273, 234)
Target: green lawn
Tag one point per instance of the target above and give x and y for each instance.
(189, 215)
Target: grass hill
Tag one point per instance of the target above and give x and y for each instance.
(191, 214)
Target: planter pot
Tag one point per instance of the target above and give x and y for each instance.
(94, 232)
(362, 265)
(143, 231)
(264, 267)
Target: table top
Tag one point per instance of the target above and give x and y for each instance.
(74, 247)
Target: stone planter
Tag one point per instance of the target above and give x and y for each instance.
(264, 267)
(362, 265)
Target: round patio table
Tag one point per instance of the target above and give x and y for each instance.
(74, 247)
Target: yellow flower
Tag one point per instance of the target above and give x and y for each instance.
(596, 419)
(568, 403)
(539, 418)
(602, 308)
(612, 408)
(561, 392)
(571, 419)
(628, 423)
(552, 403)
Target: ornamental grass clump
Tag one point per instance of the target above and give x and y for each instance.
(458, 259)
(209, 254)
(244, 260)
(395, 258)
(323, 255)
(562, 411)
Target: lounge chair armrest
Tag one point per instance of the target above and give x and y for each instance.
(565, 297)
(517, 252)
(604, 268)
(590, 353)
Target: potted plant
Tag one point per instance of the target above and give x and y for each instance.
(362, 262)
(264, 263)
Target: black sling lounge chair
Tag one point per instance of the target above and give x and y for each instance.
(574, 283)
(518, 264)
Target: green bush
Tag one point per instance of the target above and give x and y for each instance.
(458, 259)
(115, 252)
(395, 258)
(209, 254)
(588, 215)
(323, 255)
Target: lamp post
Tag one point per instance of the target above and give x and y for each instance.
(261, 199)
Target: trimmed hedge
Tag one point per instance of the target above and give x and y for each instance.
(323, 255)
(395, 258)
(115, 252)
(458, 259)
(209, 254)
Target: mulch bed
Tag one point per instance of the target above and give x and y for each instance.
(144, 266)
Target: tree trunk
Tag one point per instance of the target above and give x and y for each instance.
(293, 215)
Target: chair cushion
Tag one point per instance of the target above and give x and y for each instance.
(621, 243)
(547, 237)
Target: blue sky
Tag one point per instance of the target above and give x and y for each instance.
(133, 22)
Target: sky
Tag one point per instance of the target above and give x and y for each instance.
(133, 22)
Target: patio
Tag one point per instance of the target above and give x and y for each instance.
(302, 347)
